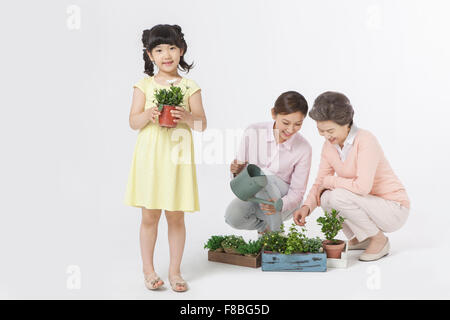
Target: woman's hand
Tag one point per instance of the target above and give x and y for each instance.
(268, 208)
(237, 166)
(300, 215)
(181, 115)
(320, 190)
(152, 113)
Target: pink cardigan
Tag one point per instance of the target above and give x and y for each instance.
(364, 171)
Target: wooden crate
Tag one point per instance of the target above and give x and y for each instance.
(235, 259)
(300, 262)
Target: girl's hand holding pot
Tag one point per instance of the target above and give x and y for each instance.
(181, 115)
(152, 113)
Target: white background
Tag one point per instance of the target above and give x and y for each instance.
(66, 144)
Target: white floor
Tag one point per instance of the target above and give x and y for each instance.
(110, 269)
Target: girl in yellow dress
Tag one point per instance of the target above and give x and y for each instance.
(163, 173)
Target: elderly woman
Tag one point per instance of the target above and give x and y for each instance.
(284, 155)
(356, 179)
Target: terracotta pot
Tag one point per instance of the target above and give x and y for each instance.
(332, 249)
(165, 118)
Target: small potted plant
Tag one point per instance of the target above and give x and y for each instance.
(168, 100)
(331, 224)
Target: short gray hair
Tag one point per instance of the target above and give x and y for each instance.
(333, 106)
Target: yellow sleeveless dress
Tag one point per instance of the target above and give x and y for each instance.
(163, 173)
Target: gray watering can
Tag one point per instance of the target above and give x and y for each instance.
(249, 182)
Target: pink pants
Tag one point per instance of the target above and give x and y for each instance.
(364, 216)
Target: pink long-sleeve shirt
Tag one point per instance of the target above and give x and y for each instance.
(364, 171)
(290, 160)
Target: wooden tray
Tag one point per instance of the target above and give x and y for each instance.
(236, 259)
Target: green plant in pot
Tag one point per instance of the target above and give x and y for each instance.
(231, 244)
(167, 100)
(215, 243)
(295, 240)
(252, 248)
(274, 241)
(331, 224)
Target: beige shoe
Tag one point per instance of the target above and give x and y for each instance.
(178, 284)
(359, 246)
(152, 281)
(376, 256)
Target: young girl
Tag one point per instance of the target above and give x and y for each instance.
(161, 178)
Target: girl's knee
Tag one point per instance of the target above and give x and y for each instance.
(150, 217)
(174, 217)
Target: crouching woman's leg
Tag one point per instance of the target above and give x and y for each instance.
(244, 215)
(365, 216)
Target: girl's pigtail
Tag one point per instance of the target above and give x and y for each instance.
(148, 63)
(183, 64)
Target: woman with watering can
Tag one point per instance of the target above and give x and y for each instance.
(271, 168)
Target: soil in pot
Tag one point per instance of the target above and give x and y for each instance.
(333, 249)
(165, 118)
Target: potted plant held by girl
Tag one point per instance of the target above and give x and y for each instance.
(331, 224)
(168, 100)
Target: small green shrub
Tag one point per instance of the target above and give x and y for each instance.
(214, 243)
(295, 240)
(274, 241)
(252, 247)
(313, 245)
(233, 242)
(172, 97)
(331, 224)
